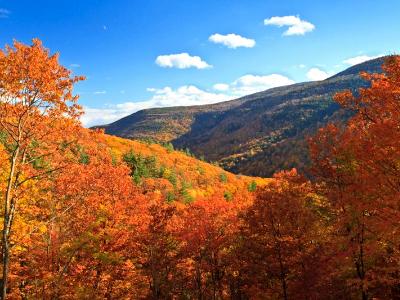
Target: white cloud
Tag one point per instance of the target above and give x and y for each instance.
(167, 96)
(100, 116)
(295, 24)
(249, 83)
(73, 66)
(221, 87)
(100, 92)
(185, 96)
(181, 61)
(359, 59)
(232, 40)
(4, 13)
(316, 74)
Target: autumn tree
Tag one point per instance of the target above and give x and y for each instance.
(159, 249)
(280, 245)
(207, 235)
(357, 170)
(37, 108)
(99, 231)
(90, 225)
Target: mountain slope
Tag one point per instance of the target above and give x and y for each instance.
(255, 135)
(177, 175)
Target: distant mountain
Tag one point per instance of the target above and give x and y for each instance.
(253, 135)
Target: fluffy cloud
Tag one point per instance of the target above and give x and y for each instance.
(221, 87)
(181, 61)
(359, 59)
(295, 24)
(4, 13)
(316, 74)
(184, 96)
(249, 83)
(100, 116)
(232, 40)
(167, 96)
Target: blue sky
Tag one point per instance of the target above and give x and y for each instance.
(139, 54)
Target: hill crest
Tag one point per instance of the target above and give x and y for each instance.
(256, 134)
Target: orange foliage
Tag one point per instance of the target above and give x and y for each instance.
(357, 169)
(37, 111)
(281, 248)
(203, 178)
(90, 216)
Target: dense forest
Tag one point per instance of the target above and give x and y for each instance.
(89, 216)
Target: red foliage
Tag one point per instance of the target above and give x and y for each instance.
(77, 224)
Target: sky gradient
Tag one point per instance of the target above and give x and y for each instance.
(140, 54)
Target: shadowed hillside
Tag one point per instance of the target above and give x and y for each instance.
(256, 134)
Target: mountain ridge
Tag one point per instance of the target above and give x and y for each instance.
(257, 134)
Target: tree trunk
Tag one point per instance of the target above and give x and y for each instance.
(7, 224)
(5, 263)
(282, 275)
(361, 264)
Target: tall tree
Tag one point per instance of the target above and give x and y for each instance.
(280, 245)
(159, 249)
(207, 234)
(357, 168)
(37, 107)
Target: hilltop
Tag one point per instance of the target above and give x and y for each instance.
(254, 135)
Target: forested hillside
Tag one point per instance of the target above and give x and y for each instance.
(89, 216)
(177, 175)
(255, 135)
